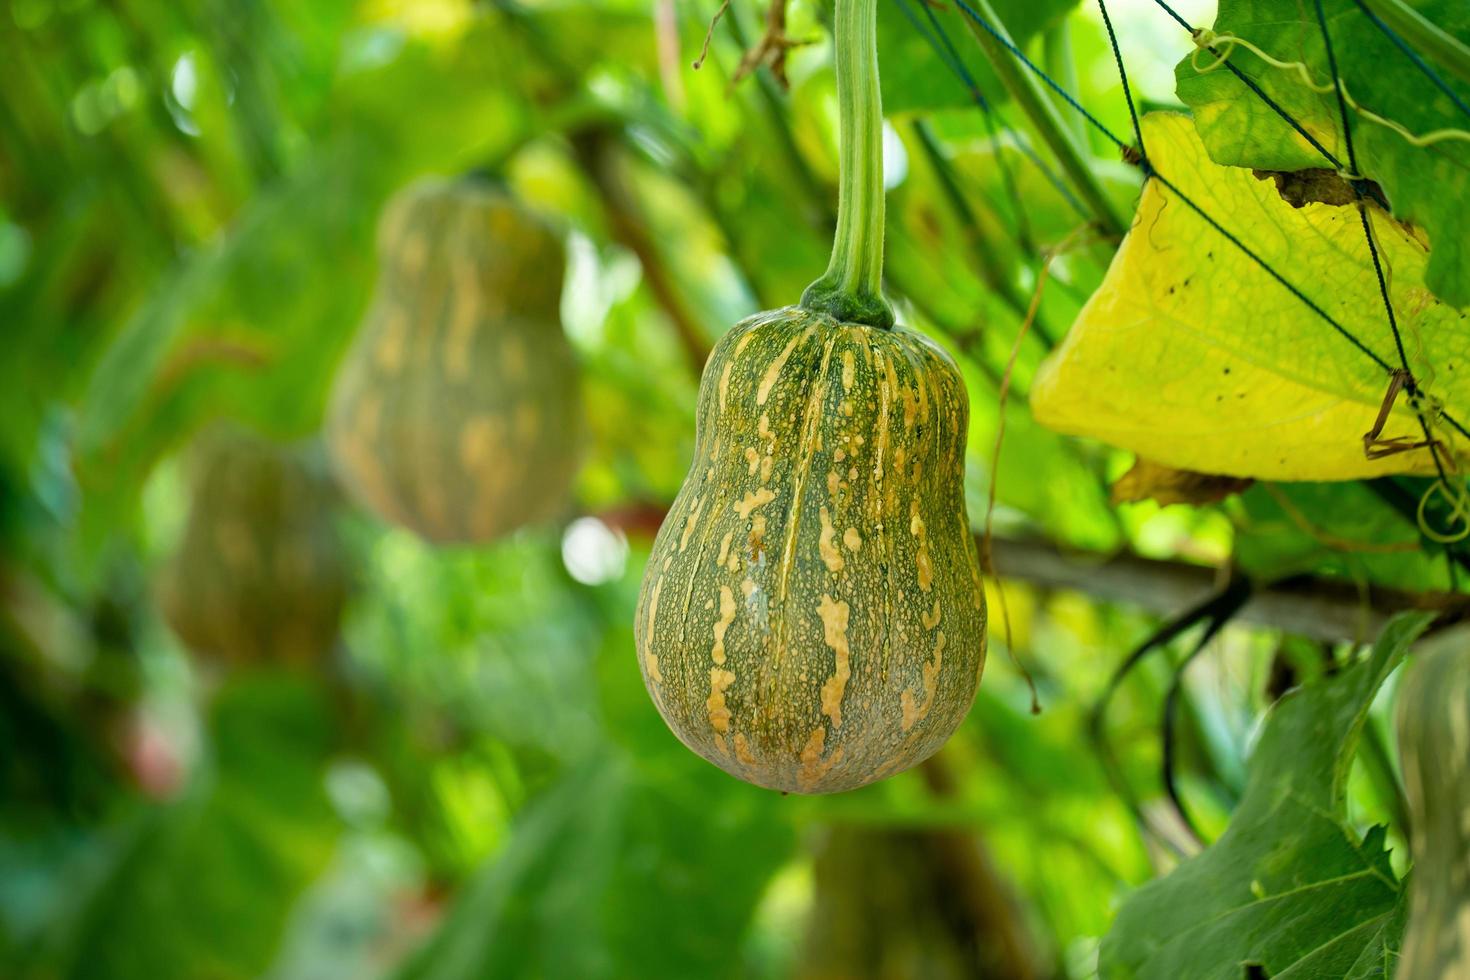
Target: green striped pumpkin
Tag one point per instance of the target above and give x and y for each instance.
(812, 617)
(260, 575)
(1434, 747)
(457, 411)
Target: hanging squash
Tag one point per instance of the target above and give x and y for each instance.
(260, 575)
(457, 411)
(812, 616)
(1434, 747)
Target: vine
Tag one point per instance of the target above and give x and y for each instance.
(852, 287)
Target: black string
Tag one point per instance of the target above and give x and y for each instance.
(1266, 267)
(1413, 56)
(1122, 76)
(1411, 387)
(1342, 107)
(951, 56)
(1023, 225)
(1021, 57)
(1150, 171)
(948, 53)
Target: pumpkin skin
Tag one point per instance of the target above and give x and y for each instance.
(261, 576)
(457, 411)
(1434, 747)
(812, 617)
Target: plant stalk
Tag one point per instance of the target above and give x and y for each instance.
(1424, 35)
(1061, 64)
(852, 287)
(995, 275)
(1378, 763)
(1043, 114)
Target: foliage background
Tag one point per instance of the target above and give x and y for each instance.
(476, 783)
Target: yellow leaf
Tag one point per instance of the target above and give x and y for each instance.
(1191, 355)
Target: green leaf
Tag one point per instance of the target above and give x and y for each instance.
(1341, 529)
(1289, 886)
(1427, 185)
(1366, 952)
(610, 868)
(642, 853)
(221, 866)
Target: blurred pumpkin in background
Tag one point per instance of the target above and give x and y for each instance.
(457, 412)
(260, 575)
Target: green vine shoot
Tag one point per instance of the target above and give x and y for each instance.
(852, 287)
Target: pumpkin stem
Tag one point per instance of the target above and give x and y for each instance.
(852, 287)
